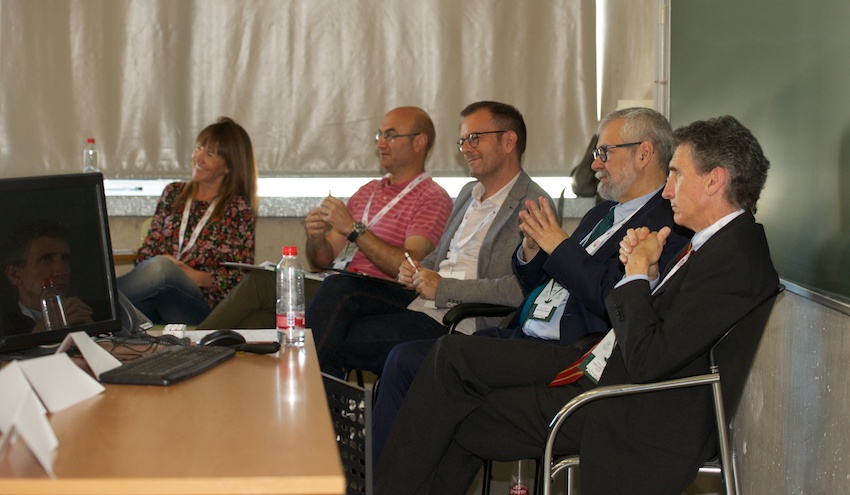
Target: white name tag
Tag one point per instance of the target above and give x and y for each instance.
(594, 364)
(545, 304)
(345, 256)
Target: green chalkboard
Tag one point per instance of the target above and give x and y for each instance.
(782, 69)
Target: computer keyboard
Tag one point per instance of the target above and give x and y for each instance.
(168, 366)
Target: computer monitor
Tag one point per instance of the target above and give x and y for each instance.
(72, 207)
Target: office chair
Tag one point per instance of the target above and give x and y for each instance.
(458, 313)
(732, 356)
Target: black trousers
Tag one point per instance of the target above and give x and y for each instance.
(475, 399)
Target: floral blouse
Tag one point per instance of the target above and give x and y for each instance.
(230, 237)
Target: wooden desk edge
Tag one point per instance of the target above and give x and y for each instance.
(306, 485)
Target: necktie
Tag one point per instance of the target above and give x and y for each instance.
(601, 227)
(529, 300)
(571, 373)
(684, 252)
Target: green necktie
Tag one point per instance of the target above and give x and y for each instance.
(601, 227)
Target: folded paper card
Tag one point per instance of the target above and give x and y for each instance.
(96, 357)
(21, 413)
(59, 382)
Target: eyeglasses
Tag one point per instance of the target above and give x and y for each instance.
(602, 151)
(472, 137)
(390, 137)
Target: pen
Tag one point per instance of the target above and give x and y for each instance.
(410, 260)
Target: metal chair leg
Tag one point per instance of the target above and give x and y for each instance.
(488, 477)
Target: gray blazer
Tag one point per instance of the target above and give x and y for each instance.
(496, 282)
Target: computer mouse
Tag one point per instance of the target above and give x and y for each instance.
(222, 338)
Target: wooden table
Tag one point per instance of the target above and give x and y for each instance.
(253, 424)
(123, 256)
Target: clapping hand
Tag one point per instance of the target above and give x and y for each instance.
(540, 225)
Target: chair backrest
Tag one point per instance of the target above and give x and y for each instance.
(733, 354)
(143, 230)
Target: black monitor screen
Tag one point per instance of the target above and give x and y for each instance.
(55, 227)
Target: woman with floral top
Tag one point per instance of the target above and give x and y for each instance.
(198, 225)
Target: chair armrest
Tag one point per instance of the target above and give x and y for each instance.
(606, 392)
(629, 389)
(469, 310)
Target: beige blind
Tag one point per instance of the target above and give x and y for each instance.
(309, 79)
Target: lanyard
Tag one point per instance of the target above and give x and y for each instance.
(554, 291)
(387, 207)
(198, 228)
(674, 269)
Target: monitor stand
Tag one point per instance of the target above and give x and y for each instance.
(29, 353)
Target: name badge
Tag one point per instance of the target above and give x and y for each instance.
(544, 306)
(594, 364)
(345, 256)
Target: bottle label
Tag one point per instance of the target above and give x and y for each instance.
(291, 320)
(519, 490)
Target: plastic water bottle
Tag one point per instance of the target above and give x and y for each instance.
(90, 157)
(290, 298)
(52, 309)
(520, 478)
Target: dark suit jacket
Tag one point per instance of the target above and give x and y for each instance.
(655, 443)
(590, 278)
(15, 323)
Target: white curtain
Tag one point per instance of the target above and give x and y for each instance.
(627, 51)
(309, 79)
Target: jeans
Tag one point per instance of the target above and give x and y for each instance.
(400, 368)
(355, 323)
(160, 290)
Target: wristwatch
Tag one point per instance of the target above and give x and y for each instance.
(358, 230)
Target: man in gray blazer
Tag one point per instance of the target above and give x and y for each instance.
(356, 322)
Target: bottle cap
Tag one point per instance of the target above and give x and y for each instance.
(290, 250)
(90, 140)
(46, 282)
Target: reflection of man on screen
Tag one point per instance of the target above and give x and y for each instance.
(34, 252)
